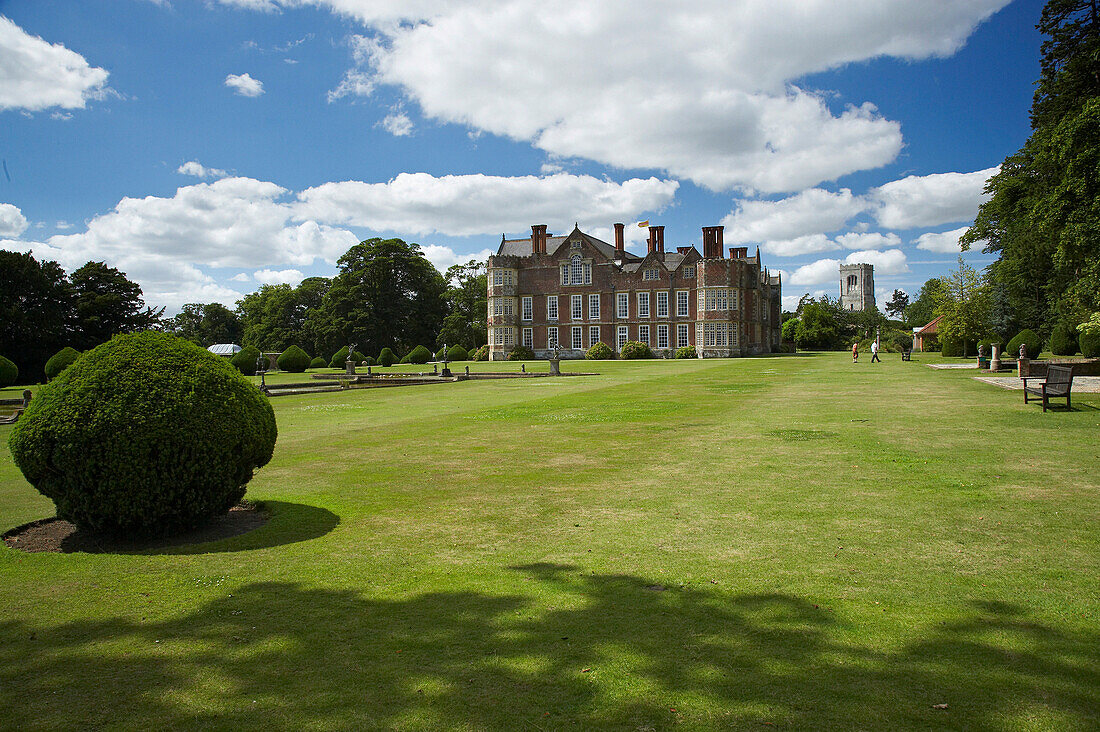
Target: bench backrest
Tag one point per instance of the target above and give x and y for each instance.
(1059, 377)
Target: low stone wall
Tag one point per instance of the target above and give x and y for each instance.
(1038, 369)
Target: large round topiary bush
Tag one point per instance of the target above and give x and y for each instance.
(1090, 344)
(318, 363)
(9, 372)
(1034, 344)
(420, 354)
(599, 351)
(686, 352)
(1063, 341)
(387, 357)
(340, 358)
(294, 360)
(60, 361)
(245, 360)
(457, 353)
(635, 349)
(147, 434)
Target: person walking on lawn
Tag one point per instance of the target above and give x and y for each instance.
(874, 351)
(855, 352)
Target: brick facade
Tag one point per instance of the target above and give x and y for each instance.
(589, 290)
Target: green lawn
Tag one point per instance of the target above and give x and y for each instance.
(794, 541)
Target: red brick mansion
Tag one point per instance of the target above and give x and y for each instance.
(575, 290)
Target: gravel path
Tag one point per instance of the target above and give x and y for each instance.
(1090, 384)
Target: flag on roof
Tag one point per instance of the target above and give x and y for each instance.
(643, 224)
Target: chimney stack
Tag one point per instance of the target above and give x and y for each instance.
(538, 239)
(619, 245)
(713, 241)
(655, 232)
(660, 239)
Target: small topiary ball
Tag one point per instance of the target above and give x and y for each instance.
(293, 360)
(60, 361)
(387, 357)
(1090, 344)
(635, 349)
(147, 434)
(9, 372)
(318, 363)
(599, 351)
(420, 354)
(245, 360)
(1034, 345)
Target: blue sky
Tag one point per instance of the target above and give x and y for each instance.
(208, 147)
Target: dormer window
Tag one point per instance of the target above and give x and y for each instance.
(652, 274)
(576, 271)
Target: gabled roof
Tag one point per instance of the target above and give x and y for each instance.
(522, 247)
(930, 328)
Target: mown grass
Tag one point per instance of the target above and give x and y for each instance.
(793, 541)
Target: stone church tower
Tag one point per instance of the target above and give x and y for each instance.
(857, 286)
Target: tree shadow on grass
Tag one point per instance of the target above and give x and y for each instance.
(595, 651)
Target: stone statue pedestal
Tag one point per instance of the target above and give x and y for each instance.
(554, 369)
(995, 360)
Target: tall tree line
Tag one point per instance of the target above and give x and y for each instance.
(1043, 218)
(385, 294)
(42, 310)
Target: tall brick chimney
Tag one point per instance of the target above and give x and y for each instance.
(652, 240)
(713, 241)
(538, 239)
(620, 247)
(660, 239)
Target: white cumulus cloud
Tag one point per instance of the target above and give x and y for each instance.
(244, 85)
(930, 200)
(809, 244)
(868, 240)
(889, 262)
(704, 90)
(397, 124)
(278, 277)
(443, 257)
(813, 211)
(197, 169)
(947, 241)
(463, 205)
(37, 75)
(12, 220)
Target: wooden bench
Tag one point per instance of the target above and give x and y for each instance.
(1058, 382)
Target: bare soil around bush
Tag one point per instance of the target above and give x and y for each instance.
(59, 535)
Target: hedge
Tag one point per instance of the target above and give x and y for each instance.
(1090, 344)
(635, 349)
(1034, 344)
(521, 353)
(340, 358)
(294, 360)
(420, 354)
(1063, 341)
(9, 372)
(686, 352)
(60, 361)
(245, 360)
(147, 434)
(599, 351)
